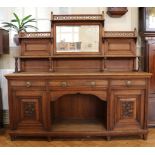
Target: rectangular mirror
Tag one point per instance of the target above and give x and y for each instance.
(79, 38)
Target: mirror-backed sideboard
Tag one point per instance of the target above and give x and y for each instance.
(75, 92)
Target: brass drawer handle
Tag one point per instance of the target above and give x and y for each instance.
(63, 84)
(128, 83)
(93, 83)
(28, 84)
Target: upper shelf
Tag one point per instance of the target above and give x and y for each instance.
(77, 56)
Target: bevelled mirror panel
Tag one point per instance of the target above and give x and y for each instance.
(81, 38)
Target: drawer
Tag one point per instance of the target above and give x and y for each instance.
(27, 83)
(129, 82)
(79, 83)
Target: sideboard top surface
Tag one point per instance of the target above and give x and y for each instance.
(98, 74)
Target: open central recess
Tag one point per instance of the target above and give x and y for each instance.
(79, 112)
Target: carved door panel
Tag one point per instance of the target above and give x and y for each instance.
(29, 109)
(127, 109)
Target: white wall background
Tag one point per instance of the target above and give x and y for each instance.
(125, 23)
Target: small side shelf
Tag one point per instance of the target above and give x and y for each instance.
(32, 57)
(116, 12)
(36, 43)
(73, 56)
(121, 56)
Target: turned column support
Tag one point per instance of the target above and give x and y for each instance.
(16, 65)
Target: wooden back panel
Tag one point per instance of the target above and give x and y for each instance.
(117, 64)
(77, 65)
(36, 47)
(31, 65)
(79, 107)
(119, 46)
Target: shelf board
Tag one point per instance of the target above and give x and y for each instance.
(121, 56)
(77, 56)
(32, 57)
(78, 126)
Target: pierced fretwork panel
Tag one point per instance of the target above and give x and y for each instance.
(77, 17)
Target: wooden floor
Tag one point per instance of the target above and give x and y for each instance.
(88, 142)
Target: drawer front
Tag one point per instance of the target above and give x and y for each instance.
(128, 82)
(78, 83)
(27, 83)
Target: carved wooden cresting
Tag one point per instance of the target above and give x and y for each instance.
(120, 34)
(35, 35)
(63, 88)
(77, 17)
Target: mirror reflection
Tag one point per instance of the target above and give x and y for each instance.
(83, 38)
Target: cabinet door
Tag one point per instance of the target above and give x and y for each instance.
(127, 110)
(28, 109)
